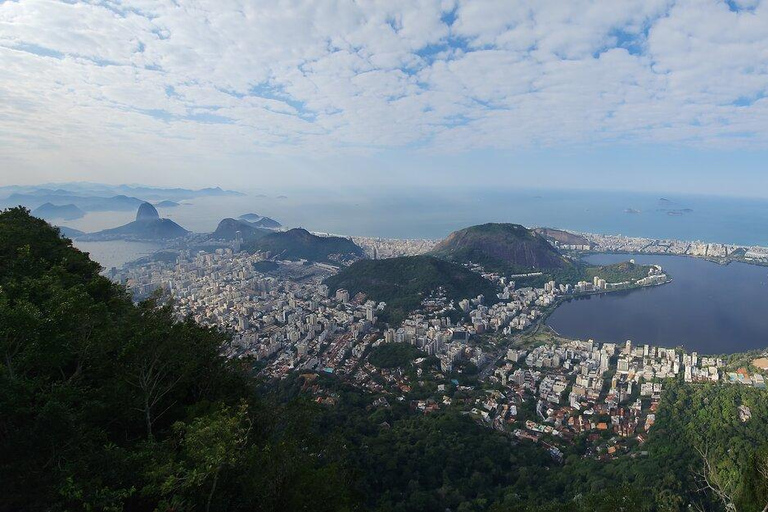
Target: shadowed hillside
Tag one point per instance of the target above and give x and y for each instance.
(299, 243)
(501, 247)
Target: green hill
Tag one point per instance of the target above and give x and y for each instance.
(393, 355)
(403, 282)
(108, 405)
(501, 248)
(296, 244)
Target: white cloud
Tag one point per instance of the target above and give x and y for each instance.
(184, 82)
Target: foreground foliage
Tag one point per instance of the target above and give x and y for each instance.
(105, 405)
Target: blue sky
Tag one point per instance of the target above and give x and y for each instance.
(657, 95)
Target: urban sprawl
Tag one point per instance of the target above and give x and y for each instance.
(286, 320)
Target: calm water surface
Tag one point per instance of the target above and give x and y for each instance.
(116, 253)
(707, 307)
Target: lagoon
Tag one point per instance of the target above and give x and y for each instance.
(710, 308)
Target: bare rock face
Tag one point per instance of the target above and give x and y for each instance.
(500, 247)
(147, 212)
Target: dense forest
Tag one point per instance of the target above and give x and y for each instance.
(110, 405)
(107, 405)
(393, 355)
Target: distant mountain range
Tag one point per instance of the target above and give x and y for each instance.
(167, 204)
(101, 197)
(119, 203)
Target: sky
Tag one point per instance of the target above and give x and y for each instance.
(639, 95)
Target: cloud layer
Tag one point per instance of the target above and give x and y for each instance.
(89, 83)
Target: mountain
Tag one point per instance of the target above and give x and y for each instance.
(260, 221)
(147, 226)
(156, 229)
(70, 232)
(501, 248)
(174, 193)
(299, 243)
(52, 211)
(228, 229)
(147, 212)
(37, 198)
(167, 204)
(266, 222)
(98, 197)
(558, 236)
(86, 189)
(403, 282)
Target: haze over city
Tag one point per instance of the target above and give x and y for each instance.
(652, 95)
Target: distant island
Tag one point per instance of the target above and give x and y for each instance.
(52, 211)
(679, 212)
(167, 204)
(98, 197)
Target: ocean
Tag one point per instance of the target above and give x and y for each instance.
(434, 213)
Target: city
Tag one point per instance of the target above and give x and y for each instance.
(469, 355)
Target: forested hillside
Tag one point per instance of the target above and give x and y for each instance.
(107, 405)
(404, 282)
